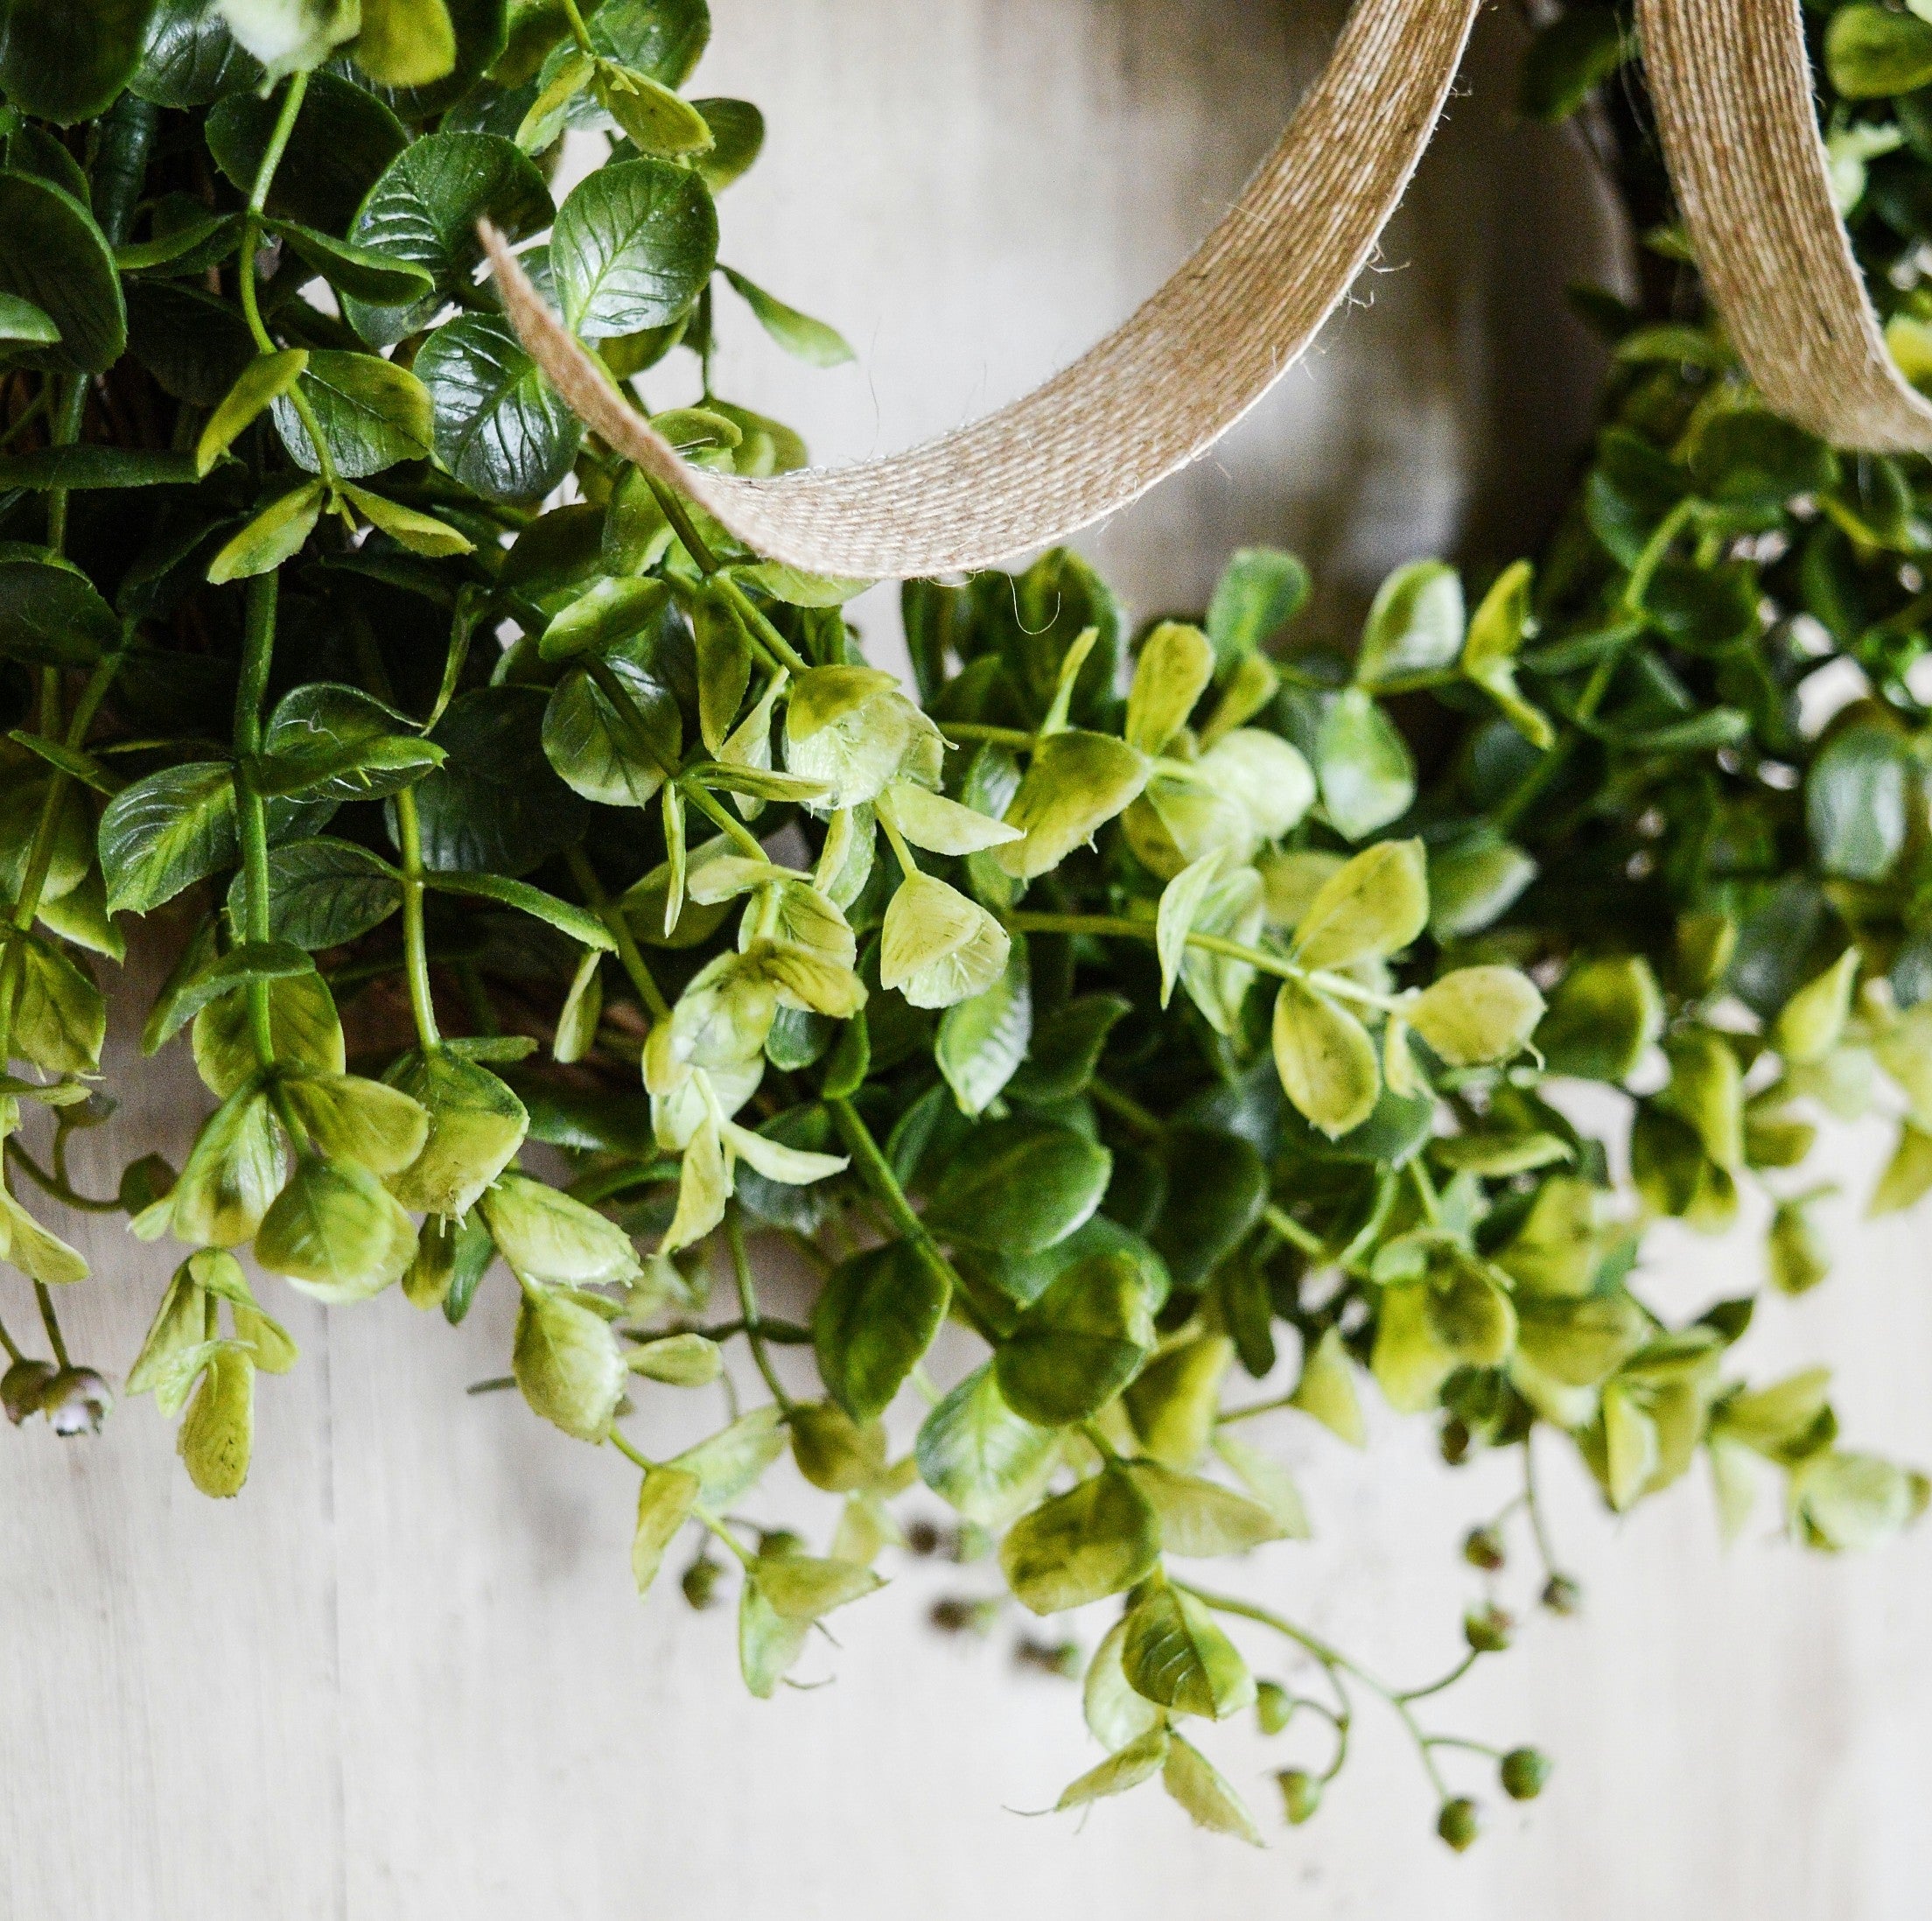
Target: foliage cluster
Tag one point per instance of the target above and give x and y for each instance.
(1162, 1005)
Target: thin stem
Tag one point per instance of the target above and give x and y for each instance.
(52, 1183)
(9, 1343)
(748, 1301)
(703, 1515)
(1539, 1532)
(1125, 1108)
(762, 629)
(257, 651)
(579, 32)
(51, 1322)
(628, 953)
(1425, 1191)
(1003, 737)
(1282, 1224)
(908, 865)
(409, 832)
(637, 738)
(876, 1173)
(66, 431)
(1448, 1680)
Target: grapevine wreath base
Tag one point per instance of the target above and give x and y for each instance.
(557, 901)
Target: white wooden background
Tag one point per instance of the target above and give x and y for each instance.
(405, 1675)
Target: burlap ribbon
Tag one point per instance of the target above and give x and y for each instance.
(1732, 92)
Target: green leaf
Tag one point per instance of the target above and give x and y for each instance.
(803, 338)
(1176, 1655)
(1871, 52)
(1175, 1400)
(872, 1323)
(983, 1040)
(405, 42)
(52, 616)
(1127, 1767)
(66, 63)
(1176, 664)
(1603, 1017)
(263, 381)
(424, 210)
(1477, 1014)
(217, 1436)
(567, 1362)
(664, 1504)
(802, 1588)
(578, 923)
(1192, 1780)
(729, 1463)
(1327, 1389)
(21, 321)
(420, 533)
(301, 1024)
(1259, 594)
(189, 58)
(274, 535)
(1202, 1518)
(979, 1457)
(1096, 1540)
(1079, 1344)
(1017, 1186)
(1569, 57)
(291, 36)
(165, 832)
(654, 118)
(633, 247)
(1414, 625)
(349, 1118)
(371, 412)
(53, 256)
(1809, 1024)
(1362, 763)
(1855, 796)
(1326, 1059)
(336, 1232)
(607, 614)
(738, 135)
(547, 1236)
(500, 426)
(769, 1645)
(1371, 907)
(1065, 1052)
(476, 1125)
(344, 137)
(937, 947)
(1075, 783)
(250, 962)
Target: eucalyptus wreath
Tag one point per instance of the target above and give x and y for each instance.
(1168, 1006)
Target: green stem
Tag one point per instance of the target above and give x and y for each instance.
(52, 1184)
(701, 1515)
(876, 1173)
(1118, 927)
(66, 431)
(908, 865)
(630, 956)
(637, 738)
(1124, 1107)
(51, 1322)
(1448, 1680)
(257, 652)
(1534, 1506)
(416, 949)
(579, 32)
(747, 1303)
(1290, 1230)
(9, 1343)
(1004, 737)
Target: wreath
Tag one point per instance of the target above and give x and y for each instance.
(556, 901)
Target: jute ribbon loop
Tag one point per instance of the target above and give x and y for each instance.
(1733, 99)
(1732, 88)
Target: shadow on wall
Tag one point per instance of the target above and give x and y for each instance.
(977, 204)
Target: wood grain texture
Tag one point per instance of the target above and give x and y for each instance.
(404, 1676)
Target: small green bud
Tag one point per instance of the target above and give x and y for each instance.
(1484, 1548)
(1488, 1629)
(1455, 1442)
(781, 1540)
(1300, 1794)
(1459, 1823)
(1273, 1706)
(1064, 1659)
(1524, 1772)
(1562, 1595)
(956, 1614)
(923, 1538)
(700, 1582)
(143, 1182)
(21, 1388)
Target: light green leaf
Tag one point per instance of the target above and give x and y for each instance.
(805, 339)
(983, 1040)
(1079, 1344)
(1324, 1058)
(1477, 1014)
(1096, 1540)
(1175, 666)
(1176, 1655)
(1371, 907)
(979, 1457)
(664, 1504)
(567, 1362)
